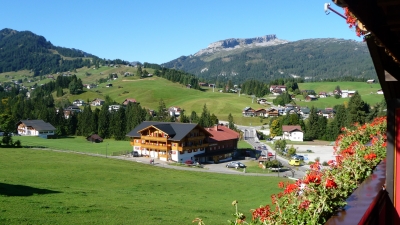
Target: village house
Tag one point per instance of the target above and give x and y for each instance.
(327, 113)
(97, 102)
(203, 84)
(35, 128)
(109, 85)
(277, 91)
(78, 102)
(292, 132)
(71, 110)
(272, 112)
(310, 98)
(262, 101)
(248, 111)
(304, 112)
(371, 81)
(174, 111)
(260, 112)
(128, 100)
(322, 94)
(166, 141)
(273, 88)
(114, 107)
(90, 86)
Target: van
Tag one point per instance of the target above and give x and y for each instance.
(294, 162)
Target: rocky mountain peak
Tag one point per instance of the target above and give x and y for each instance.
(237, 43)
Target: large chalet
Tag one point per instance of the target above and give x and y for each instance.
(180, 142)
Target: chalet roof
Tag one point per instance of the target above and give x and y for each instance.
(95, 137)
(222, 133)
(176, 131)
(38, 125)
(258, 110)
(290, 128)
(126, 101)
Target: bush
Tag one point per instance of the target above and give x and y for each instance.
(325, 163)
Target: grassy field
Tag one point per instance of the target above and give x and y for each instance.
(46, 187)
(367, 92)
(150, 91)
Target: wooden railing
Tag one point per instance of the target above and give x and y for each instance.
(369, 203)
(151, 138)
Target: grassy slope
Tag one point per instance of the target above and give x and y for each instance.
(363, 89)
(67, 188)
(149, 91)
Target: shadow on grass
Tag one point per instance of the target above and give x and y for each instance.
(22, 190)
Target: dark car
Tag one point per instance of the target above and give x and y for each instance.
(235, 165)
(135, 154)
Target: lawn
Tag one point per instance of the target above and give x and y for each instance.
(47, 187)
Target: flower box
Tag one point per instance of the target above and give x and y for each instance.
(368, 203)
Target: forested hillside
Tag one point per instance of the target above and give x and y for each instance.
(311, 59)
(26, 50)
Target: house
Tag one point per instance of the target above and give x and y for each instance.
(78, 102)
(174, 111)
(128, 100)
(310, 98)
(322, 94)
(380, 92)
(97, 102)
(109, 85)
(262, 101)
(203, 84)
(305, 112)
(292, 132)
(327, 113)
(371, 81)
(277, 91)
(71, 110)
(35, 128)
(94, 138)
(351, 93)
(248, 111)
(260, 112)
(167, 141)
(273, 88)
(90, 86)
(272, 112)
(345, 93)
(114, 107)
(222, 143)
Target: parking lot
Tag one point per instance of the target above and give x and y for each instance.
(323, 152)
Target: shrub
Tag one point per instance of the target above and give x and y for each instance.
(325, 163)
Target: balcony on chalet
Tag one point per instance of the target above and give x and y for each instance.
(153, 138)
(156, 146)
(193, 146)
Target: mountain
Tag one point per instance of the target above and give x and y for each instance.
(25, 50)
(268, 58)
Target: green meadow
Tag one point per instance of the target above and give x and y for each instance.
(149, 91)
(47, 187)
(367, 92)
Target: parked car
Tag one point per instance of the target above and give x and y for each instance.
(135, 154)
(294, 162)
(298, 157)
(235, 165)
(270, 154)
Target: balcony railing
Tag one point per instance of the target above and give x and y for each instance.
(157, 147)
(151, 138)
(369, 203)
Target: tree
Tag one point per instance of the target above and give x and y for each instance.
(291, 150)
(231, 123)
(357, 110)
(205, 118)
(162, 113)
(275, 128)
(193, 117)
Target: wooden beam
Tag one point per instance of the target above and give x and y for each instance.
(373, 18)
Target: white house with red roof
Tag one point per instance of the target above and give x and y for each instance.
(292, 132)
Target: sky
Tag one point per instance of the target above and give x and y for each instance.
(158, 31)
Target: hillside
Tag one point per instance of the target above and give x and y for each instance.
(311, 59)
(24, 50)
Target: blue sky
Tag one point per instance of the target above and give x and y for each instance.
(158, 31)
